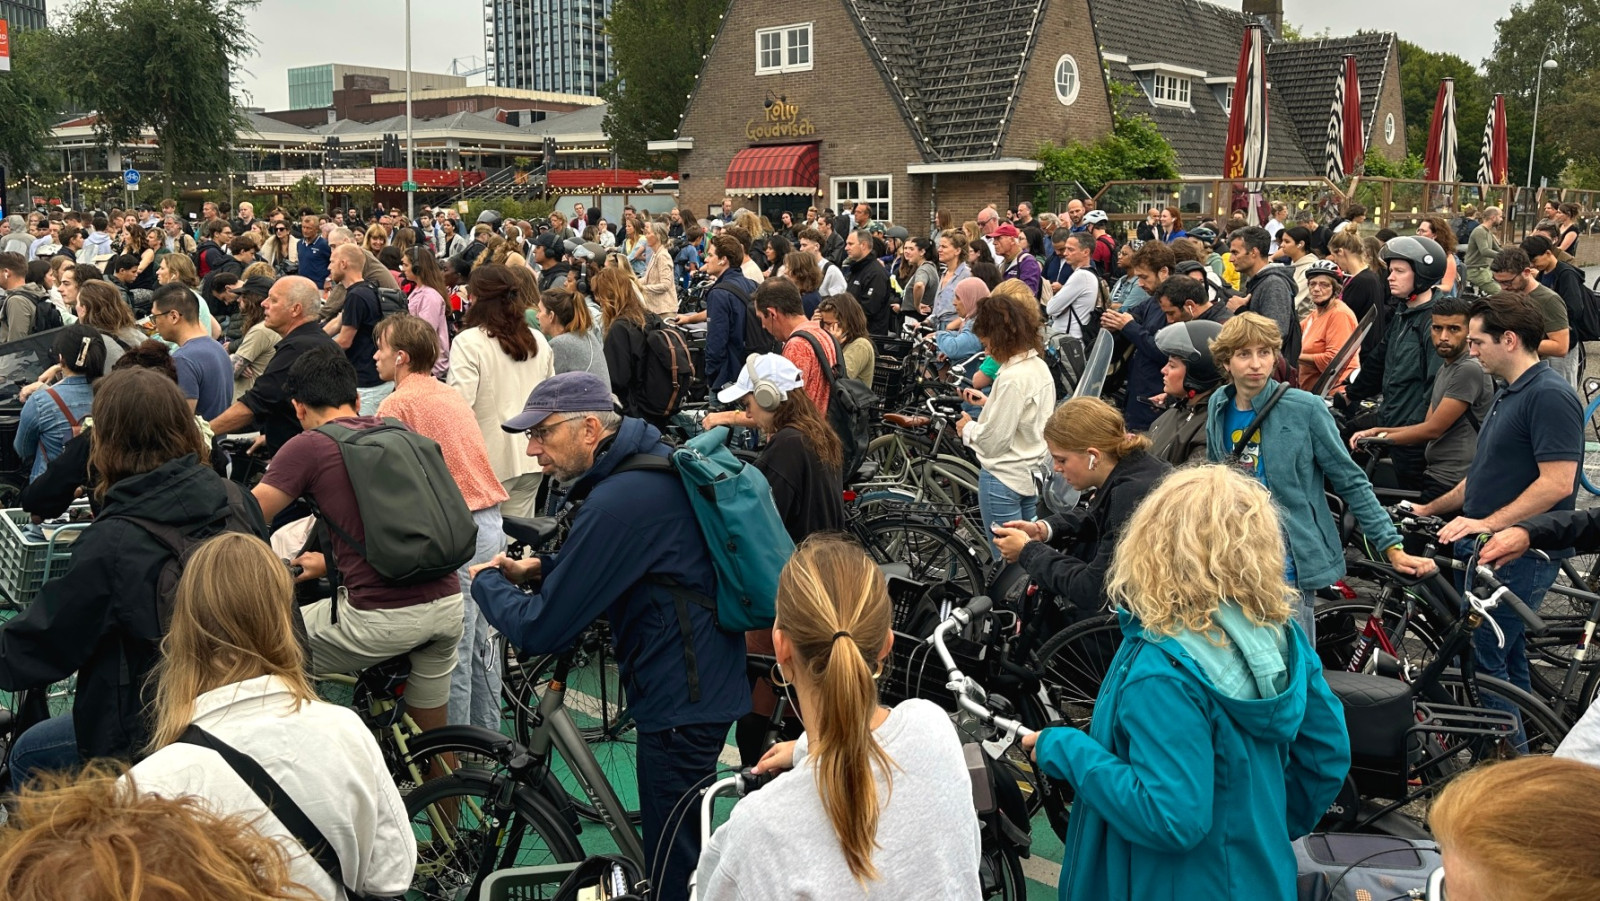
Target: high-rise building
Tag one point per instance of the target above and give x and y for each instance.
(312, 87)
(548, 45)
(21, 15)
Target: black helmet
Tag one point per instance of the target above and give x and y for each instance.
(1191, 343)
(1424, 255)
(490, 218)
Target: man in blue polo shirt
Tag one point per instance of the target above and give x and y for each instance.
(1529, 450)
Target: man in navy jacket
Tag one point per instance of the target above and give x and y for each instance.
(633, 532)
(725, 310)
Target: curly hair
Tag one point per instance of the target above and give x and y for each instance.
(93, 836)
(1202, 535)
(1243, 331)
(1008, 322)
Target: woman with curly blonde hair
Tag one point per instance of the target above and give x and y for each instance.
(1215, 740)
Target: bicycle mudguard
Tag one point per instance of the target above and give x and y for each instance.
(491, 743)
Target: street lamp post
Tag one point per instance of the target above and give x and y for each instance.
(411, 186)
(1538, 86)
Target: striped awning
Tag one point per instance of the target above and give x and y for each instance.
(774, 169)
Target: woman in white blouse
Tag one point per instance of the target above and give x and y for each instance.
(232, 666)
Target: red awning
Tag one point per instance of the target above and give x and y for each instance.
(427, 178)
(774, 169)
(600, 181)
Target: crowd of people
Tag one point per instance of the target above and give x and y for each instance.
(523, 366)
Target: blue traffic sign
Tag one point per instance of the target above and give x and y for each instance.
(131, 177)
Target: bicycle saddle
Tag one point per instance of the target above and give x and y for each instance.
(533, 531)
(904, 421)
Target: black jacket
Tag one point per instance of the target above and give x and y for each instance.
(1560, 530)
(1077, 577)
(868, 282)
(100, 618)
(1178, 435)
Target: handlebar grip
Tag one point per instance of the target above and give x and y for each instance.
(750, 780)
(1536, 626)
(979, 605)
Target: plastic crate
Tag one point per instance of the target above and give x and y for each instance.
(26, 563)
(525, 883)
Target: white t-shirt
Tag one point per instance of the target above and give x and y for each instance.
(1074, 303)
(780, 844)
(833, 281)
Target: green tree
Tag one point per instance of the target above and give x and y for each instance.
(29, 97)
(1420, 73)
(1567, 31)
(161, 64)
(659, 46)
(1135, 150)
(305, 193)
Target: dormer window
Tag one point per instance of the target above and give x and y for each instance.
(1168, 85)
(1171, 90)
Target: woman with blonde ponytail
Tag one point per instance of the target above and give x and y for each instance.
(876, 801)
(232, 666)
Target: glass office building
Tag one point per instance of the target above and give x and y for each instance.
(22, 15)
(548, 45)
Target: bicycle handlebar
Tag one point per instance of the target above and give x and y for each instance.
(739, 784)
(969, 694)
(1536, 625)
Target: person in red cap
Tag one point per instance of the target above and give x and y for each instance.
(1016, 262)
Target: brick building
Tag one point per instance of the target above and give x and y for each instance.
(907, 105)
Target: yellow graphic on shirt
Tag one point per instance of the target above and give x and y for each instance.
(1250, 457)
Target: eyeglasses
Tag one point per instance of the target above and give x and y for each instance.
(540, 433)
(280, 229)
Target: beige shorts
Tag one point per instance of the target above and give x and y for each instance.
(361, 638)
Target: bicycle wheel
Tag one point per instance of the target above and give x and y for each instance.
(1339, 624)
(1074, 663)
(895, 453)
(1000, 875)
(450, 818)
(1544, 730)
(933, 554)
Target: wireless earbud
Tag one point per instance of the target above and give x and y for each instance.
(1092, 459)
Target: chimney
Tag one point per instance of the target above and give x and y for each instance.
(1269, 13)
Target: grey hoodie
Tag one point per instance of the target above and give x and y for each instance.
(19, 240)
(98, 244)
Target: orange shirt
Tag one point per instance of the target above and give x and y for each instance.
(432, 408)
(1324, 333)
(799, 352)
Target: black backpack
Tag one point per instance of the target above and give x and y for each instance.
(852, 405)
(45, 314)
(664, 371)
(1584, 316)
(757, 340)
(390, 300)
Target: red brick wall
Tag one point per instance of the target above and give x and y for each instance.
(862, 131)
(1037, 116)
(1390, 101)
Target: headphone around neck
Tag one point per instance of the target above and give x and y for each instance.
(767, 393)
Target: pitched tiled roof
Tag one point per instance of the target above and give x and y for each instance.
(1303, 74)
(1204, 37)
(954, 67)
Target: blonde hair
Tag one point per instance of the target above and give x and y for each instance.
(1243, 331)
(1084, 422)
(1527, 825)
(232, 620)
(93, 836)
(829, 590)
(1204, 534)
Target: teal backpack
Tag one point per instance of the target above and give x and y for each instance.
(732, 502)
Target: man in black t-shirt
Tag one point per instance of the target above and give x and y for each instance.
(291, 309)
(352, 330)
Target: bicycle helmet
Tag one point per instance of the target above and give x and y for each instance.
(1325, 269)
(490, 218)
(1191, 343)
(1424, 255)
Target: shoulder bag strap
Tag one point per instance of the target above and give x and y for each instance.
(71, 420)
(1261, 416)
(277, 800)
(822, 358)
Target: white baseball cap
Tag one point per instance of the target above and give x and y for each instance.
(775, 368)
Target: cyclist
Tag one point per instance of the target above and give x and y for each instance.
(1527, 459)
(1091, 448)
(91, 836)
(1215, 739)
(232, 667)
(1520, 830)
(1008, 435)
(802, 463)
(684, 678)
(1329, 326)
(101, 618)
(1291, 452)
(1178, 435)
(368, 620)
(876, 802)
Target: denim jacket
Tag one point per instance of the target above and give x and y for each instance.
(44, 429)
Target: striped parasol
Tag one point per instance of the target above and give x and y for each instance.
(1441, 159)
(1494, 163)
(1246, 154)
(1345, 145)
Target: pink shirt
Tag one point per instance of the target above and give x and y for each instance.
(432, 408)
(803, 356)
(426, 304)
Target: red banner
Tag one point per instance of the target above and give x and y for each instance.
(427, 178)
(5, 47)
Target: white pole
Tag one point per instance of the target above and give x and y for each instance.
(411, 195)
(1534, 138)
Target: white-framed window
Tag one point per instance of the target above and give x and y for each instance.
(1067, 79)
(1227, 99)
(1388, 129)
(1170, 90)
(786, 48)
(872, 190)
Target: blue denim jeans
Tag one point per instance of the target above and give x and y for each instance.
(475, 683)
(999, 504)
(48, 745)
(1528, 578)
(1306, 614)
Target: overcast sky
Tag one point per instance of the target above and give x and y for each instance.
(293, 33)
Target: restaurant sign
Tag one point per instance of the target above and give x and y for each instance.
(780, 120)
